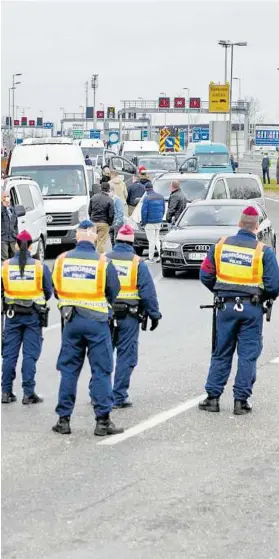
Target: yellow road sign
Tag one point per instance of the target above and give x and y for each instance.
(219, 98)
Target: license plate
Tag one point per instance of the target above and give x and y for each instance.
(54, 241)
(197, 256)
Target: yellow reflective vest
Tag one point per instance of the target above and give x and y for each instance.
(127, 271)
(19, 289)
(239, 267)
(81, 283)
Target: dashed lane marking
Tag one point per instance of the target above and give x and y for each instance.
(151, 422)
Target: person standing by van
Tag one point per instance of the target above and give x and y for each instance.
(9, 227)
(265, 168)
(101, 212)
(120, 190)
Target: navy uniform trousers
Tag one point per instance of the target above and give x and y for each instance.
(78, 335)
(241, 331)
(22, 330)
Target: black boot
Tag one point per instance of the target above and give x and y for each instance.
(104, 427)
(210, 404)
(241, 407)
(123, 405)
(32, 399)
(8, 397)
(63, 425)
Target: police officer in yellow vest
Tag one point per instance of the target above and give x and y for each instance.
(137, 293)
(242, 273)
(26, 286)
(86, 285)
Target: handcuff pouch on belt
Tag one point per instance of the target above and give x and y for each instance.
(122, 310)
(67, 313)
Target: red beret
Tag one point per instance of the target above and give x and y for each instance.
(24, 236)
(251, 210)
(142, 169)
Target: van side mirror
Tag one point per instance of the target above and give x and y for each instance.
(20, 210)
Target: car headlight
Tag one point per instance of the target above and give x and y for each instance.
(82, 213)
(166, 244)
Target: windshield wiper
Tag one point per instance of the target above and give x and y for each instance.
(60, 195)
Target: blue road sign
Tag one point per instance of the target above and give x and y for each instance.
(199, 134)
(19, 141)
(114, 137)
(48, 125)
(144, 134)
(182, 139)
(267, 137)
(94, 134)
(169, 142)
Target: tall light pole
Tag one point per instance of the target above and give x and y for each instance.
(239, 87)
(238, 44)
(13, 96)
(86, 103)
(10, 89)
(94, 85)
(225, 45)
(188, 133)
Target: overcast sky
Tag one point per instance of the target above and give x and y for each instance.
(139, 49)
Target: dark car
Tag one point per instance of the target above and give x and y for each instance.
(201, 225)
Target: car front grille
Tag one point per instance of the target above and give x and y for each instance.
(62, 219)
(200, 248)
(53, 233)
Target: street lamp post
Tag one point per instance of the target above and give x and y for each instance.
(188, 126)
(13, 95)
(164, 94)
(86, 103)
(10, 89)
(94, 85)
(225, 45)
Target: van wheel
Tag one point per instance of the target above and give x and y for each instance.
(139, 251)
(168, 273)
(40, 254)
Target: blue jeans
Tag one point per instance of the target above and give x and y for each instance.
(78, 335)
(126, 357)
(22, 330)
(241, 330)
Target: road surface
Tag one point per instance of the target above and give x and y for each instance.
(184, 484)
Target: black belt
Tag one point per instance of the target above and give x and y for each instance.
(253, 299)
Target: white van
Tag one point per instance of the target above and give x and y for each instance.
(132, 149)
(57, 165)
(26, 197)
(95, 149)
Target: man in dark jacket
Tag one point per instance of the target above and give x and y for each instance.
(177, 202)
(101, 212)
(265, 168)
(152, 213)
(9, 227)
(136, 190)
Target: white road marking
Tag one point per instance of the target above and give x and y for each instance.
(273, 199)
(151, 422)
(52, 327)
(276, 360)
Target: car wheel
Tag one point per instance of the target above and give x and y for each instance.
(139, 251)
(167, 273)
(40, 254)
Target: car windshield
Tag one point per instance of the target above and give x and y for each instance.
(161, 163)
(207, 215)
(131, 154)
(194, 188)
(213, 159)
(56, 180)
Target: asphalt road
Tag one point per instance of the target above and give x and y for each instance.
(186, 484)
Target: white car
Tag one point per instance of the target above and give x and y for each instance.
(28, 202)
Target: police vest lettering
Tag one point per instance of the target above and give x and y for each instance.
(21, 289)
(81, 283)
(128, 277)
(239, 267)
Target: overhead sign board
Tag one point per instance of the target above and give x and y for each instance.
(113, 137)
(77, 134)
(164, 103)
(94, 134)
(144, 134)
(111, 112)
(219, 98)
(179, 103)
(31, 122)
(195, 103)
(100, 114)
(169, 142)
(268, 137)
(48, 124)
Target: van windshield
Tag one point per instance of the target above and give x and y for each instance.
(56, 180)
(131, 154)
(92, 152)
(213, 159)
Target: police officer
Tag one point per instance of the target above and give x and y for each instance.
(86, 283)
(27, 286)
(242, 273)
(137, 294)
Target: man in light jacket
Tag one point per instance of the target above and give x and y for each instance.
(118, 214)
(120, 190)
